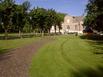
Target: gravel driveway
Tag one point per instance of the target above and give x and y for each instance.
(16, 62)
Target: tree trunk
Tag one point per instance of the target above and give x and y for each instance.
(6, 34)
(59, 31)
(42, 33)
(48, 31)
(20, 35)
(34, 33)
(55, 28)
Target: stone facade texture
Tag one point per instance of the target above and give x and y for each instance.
(71, 24)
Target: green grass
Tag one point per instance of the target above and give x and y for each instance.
(68, 56)
(5, 45)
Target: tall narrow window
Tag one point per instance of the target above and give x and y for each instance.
(68, 27)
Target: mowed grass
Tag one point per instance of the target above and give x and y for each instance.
(6, 45)
(68, 56)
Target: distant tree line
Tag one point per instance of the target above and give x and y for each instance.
(94, 16)
(20, 18)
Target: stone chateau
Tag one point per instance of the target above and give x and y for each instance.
(71, 24)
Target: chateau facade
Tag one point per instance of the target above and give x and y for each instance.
(71, 24)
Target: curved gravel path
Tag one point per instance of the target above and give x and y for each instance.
(16, 62)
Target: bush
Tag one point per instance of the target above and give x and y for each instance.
(92, 37)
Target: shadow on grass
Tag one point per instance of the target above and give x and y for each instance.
(4, 54)
(96, 42)
(2, 51)
(89, 72)
(92, 37)
(98, 46)
(12, 37)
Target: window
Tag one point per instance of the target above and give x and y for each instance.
(75, 27)
(68, 27)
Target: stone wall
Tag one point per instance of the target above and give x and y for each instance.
(71, 24)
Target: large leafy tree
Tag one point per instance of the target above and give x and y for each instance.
(53, 18)
(50, 20)
(16, 18)
(6, 11)
(60, 19)
(39, 19)
(43, 19)
(94, 15)
(20, 16)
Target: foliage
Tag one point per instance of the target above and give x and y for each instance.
(60, 19)
(38, 18)
(26, 6)
(6, 11)
(17, 17)
(94, 15)
(44, 19)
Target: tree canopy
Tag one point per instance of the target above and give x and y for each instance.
(94, 15)
(19, 17)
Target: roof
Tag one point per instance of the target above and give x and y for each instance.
(67, 17)
(77, 18)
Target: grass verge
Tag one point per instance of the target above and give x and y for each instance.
(5, 45)
(68, 56)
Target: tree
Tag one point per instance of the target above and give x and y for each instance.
(38, 19)
(53, 18)
(26, 6)
(6, 10)
(44, 19)
(60, 19)
(94, 15)
(20, 16)
(50, 20)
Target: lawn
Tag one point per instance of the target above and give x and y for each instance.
(6, 45)
(69, 56)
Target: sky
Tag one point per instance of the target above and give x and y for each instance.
(70, 7)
